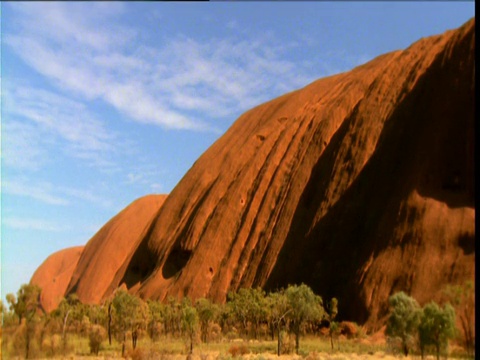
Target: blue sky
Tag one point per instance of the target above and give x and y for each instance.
(104, 102)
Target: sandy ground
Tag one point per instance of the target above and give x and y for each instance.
(264, 356)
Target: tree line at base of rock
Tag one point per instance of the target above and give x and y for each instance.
(249, 313)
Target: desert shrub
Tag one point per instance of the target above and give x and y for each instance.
(287, 344)
(23, 332)
(214, 332)
(52, 344)
(361, 334)
(155, 330)
(394, 345)
(204, 356)
(348, 329)
(224, 357)
(238, 350)
(324, 331)
(136, 354)
(232, 334)
(96, 335)
(18, 341)
(313, 355)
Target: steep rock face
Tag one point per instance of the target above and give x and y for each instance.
(405, 220)
(54, 275)
(107, 252)
(360, 184)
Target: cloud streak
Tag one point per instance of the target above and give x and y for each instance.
(23, 146)
(33, 224)
(176, 84)
(47, 193)
(39, 122)
(43, 193)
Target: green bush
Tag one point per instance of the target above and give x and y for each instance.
(437, 326)
(403, 321)
(96, 336)
(52, 344)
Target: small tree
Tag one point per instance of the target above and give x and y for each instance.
(207, 312)
(258, 309)
(26, 306)
(332, 314)
(278, 311)
(130, 314)
(108, 306)
(97, 314)
(9, 315)
(436, 327)
(95, 337)
(238, 304)
(27, 301)
(462, 297)
(248, 307)
(403, 320)
(189, 321)
(225, 317)
(155, 319)
(69, 311)
(305, 306)
(172, 316)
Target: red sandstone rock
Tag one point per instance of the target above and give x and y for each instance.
(360, 185)
(54, 274)
(108, 252)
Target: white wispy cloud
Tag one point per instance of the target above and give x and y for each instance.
(51, 194)
(87, 195)
(33, 224)
(156, 187)
(176, 84)
(43, 192)
(133, 178)
(145, 175)
(69, 119)
(72, 22)
(23, 146)
(221, 77)
(37, 119)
